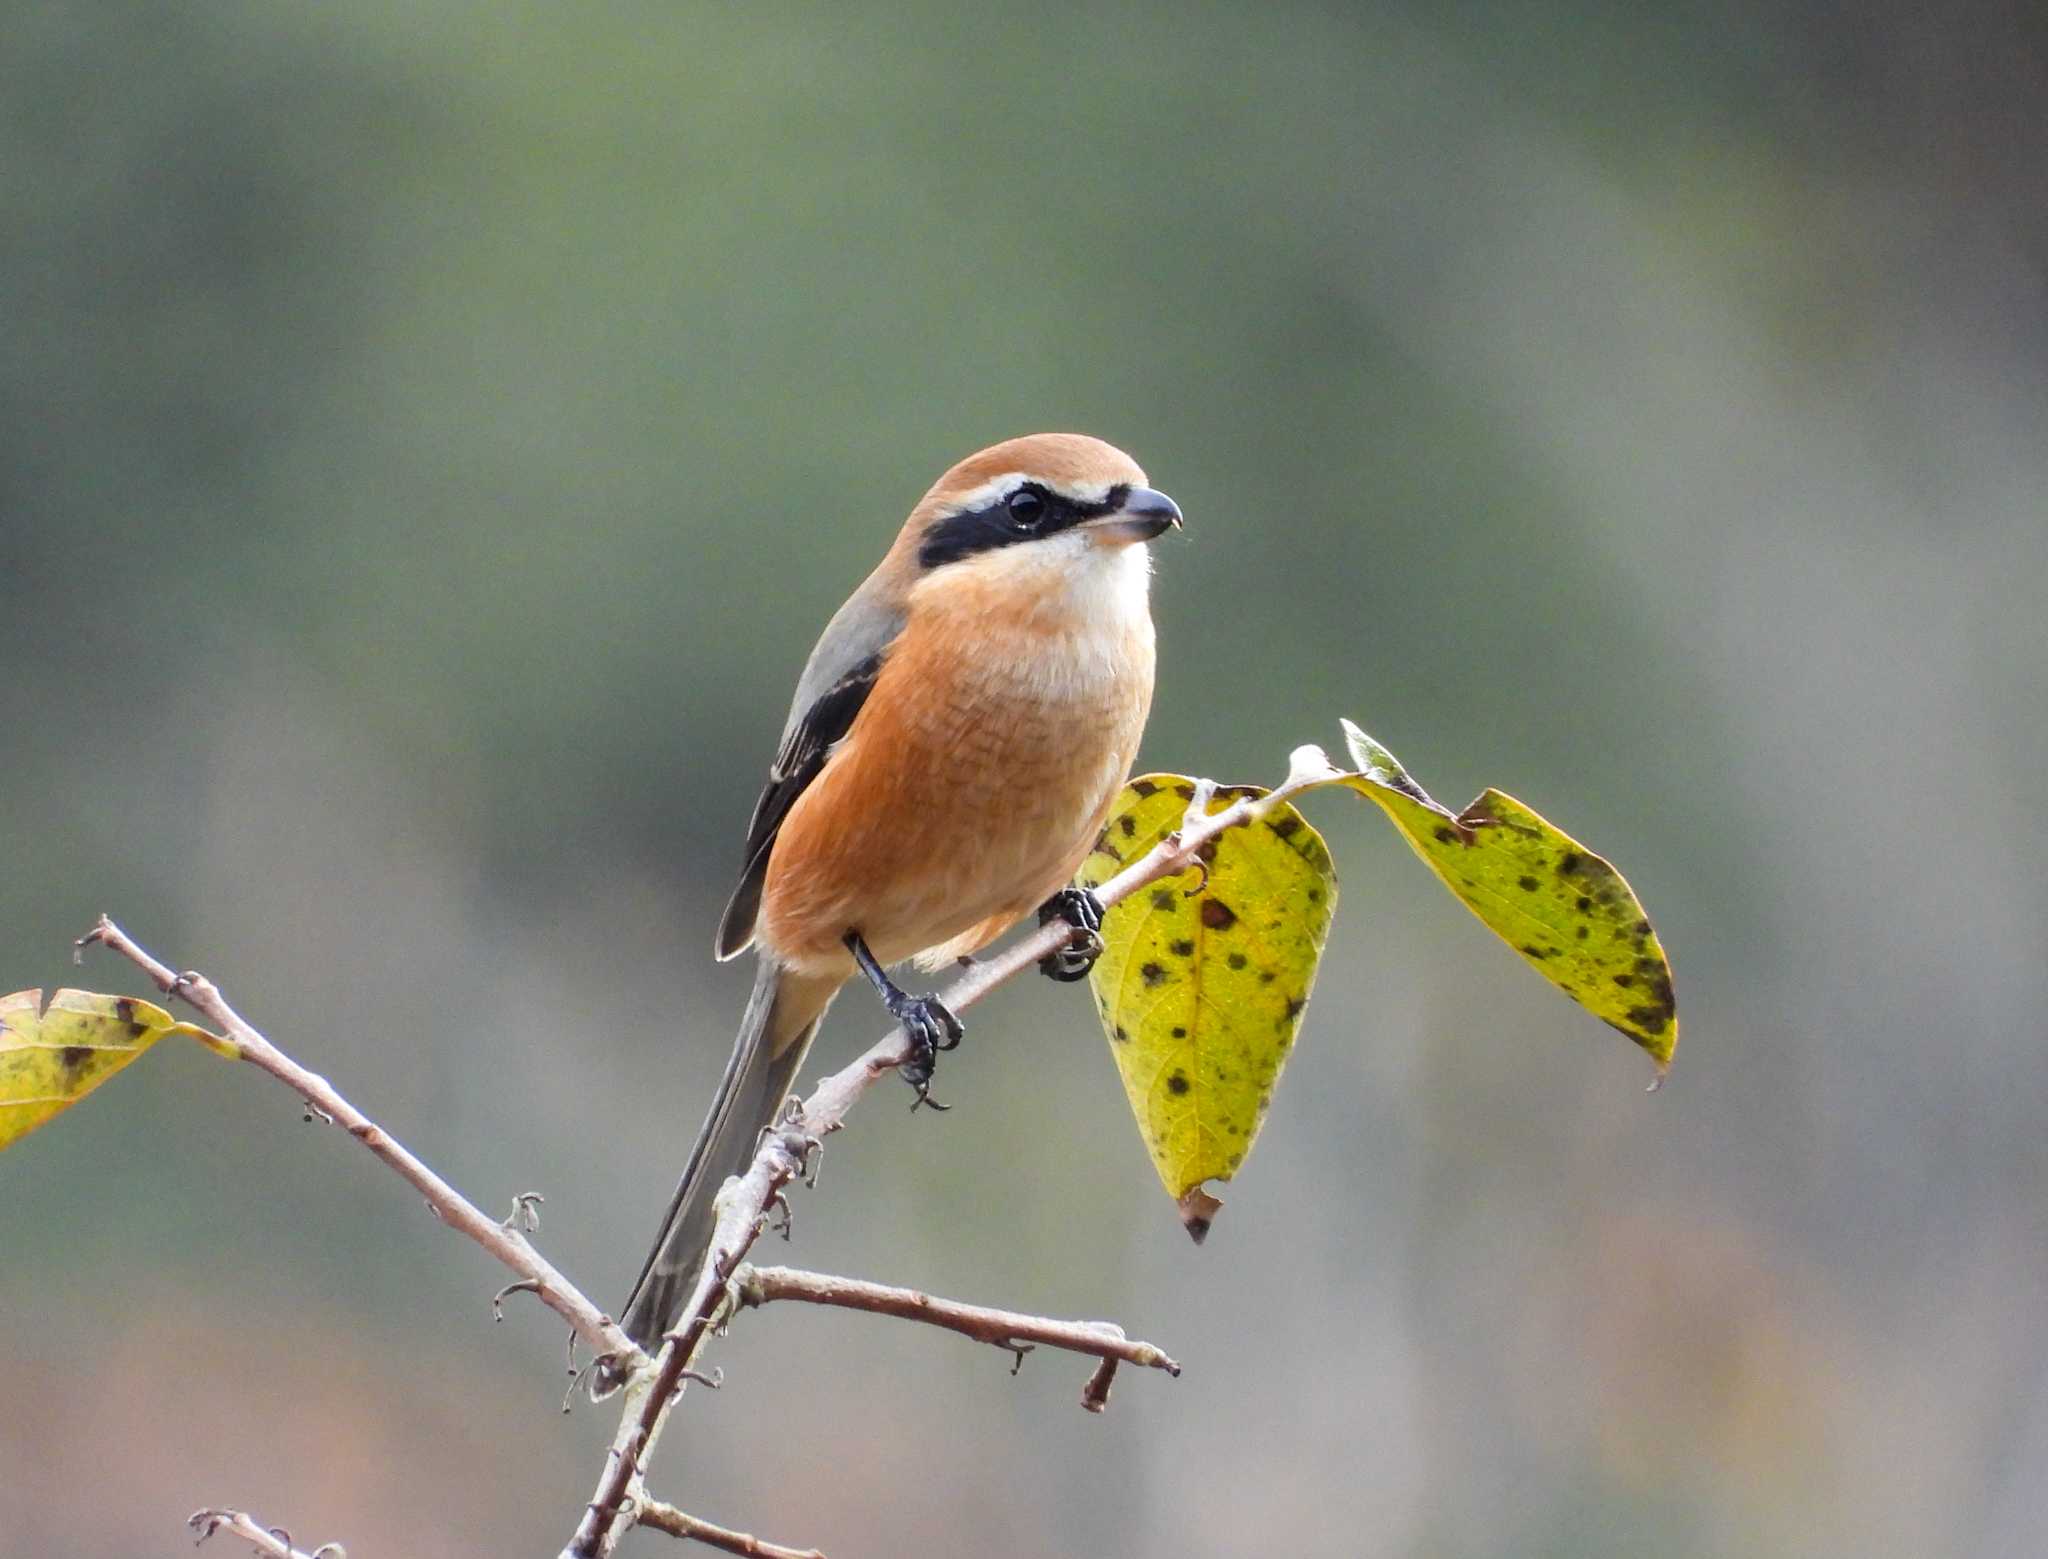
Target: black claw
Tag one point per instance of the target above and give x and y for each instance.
(1073, 961)
(1081, 909)
(917, 1071)
(932, 1028)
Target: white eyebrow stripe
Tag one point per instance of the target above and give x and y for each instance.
(1002, 486)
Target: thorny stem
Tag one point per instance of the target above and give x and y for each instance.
(1005, 1329)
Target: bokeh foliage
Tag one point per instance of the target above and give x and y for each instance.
(431, 436)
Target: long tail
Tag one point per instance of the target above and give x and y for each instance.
(774, 1036)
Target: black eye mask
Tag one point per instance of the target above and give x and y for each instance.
(1030, 512)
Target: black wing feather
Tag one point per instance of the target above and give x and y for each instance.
(803, 754)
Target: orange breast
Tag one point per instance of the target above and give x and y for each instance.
(968, 789)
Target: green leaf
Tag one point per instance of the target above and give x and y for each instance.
(1568, 912)
(1203, 977)
(52, 1057)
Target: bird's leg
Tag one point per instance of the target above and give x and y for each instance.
(1082, 910)
(924, 1018)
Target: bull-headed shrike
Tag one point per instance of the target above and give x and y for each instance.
(956, 740)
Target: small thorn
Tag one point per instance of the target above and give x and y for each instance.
(525, 1215)
(594, 1368)
(315, 1113)
(1201, 882)
(1019, 1349)
(709, 1382)
(523, 1286)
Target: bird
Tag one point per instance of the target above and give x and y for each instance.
(953, 748)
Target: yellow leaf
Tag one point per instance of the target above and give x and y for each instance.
(52, 1057)
(1568, 912)
(1202, 979)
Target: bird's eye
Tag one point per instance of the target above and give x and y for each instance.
(1026, 508)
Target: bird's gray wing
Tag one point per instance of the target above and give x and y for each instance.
(834, 686)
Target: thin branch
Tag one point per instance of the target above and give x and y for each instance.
(666, 1518)
(744, 1202)
(503, 1240)
(1005, 1329)
(275, 1541)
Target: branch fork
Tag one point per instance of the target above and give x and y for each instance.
(744, 1202)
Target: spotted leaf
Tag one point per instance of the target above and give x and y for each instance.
(1203, 977)
(1569, 913)
(51, 1057)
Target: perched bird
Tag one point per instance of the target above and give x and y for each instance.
(955, 743)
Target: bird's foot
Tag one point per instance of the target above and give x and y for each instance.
(932, 1028)
(1081, 909)
(925, 1019)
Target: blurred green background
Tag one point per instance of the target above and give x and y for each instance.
(430, 439)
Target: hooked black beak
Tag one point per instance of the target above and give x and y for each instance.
(1144, 515)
